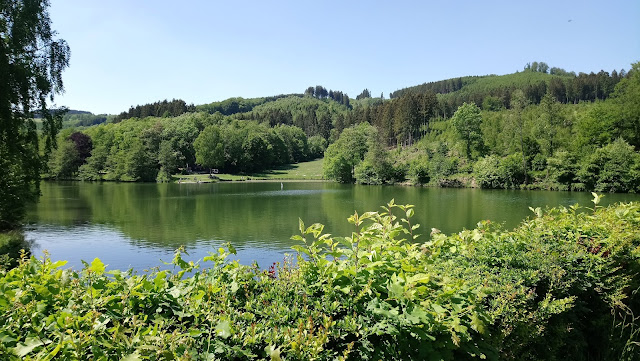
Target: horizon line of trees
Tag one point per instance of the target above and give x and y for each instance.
(566, 87)
(163, 108)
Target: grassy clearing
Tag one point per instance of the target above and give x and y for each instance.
(301, 171)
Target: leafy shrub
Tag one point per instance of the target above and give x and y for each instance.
(494, 172)
(563, 283)
(487, 172)
(341, 157)
(11, 245)
(512, 170)
(612, 168)
(562, 167)
(419, 170)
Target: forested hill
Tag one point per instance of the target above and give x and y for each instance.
(239, 104)
(537, 78)
(539, 129)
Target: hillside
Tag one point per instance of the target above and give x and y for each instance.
(535, 82)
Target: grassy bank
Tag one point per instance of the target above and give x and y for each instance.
(300, 171)
(565, 282)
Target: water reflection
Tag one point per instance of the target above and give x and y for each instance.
(137, 224)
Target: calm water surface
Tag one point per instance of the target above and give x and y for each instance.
(138, 225)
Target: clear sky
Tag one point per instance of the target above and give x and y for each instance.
(130, 52)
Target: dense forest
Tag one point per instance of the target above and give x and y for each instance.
(164, 108)
(542, 127)
(522, 142)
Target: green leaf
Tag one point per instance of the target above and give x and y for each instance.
(28, 346)
(395, 290)
(97, 266)
(223, 329)
(175, 292)
(476, 323)
(160, 281)
(439, 309)
(54, 352)
(132, 357)
(58, 264)
(273, 352)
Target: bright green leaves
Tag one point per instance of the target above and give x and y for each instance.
(132, 357)
(97, 266)
(223, 329)
(29, 345)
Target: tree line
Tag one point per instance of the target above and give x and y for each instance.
(163, 108)
(153, 149)
(549, 145)
(535, 81)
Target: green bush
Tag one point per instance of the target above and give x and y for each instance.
(494, 172)
(512, 170)
(12, 243)
(562, 168)
(419, 170)
(487, 172)
(563, 283)
(612, 168)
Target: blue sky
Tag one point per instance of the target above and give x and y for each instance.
(126, 52)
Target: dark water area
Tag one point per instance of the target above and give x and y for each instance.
(140, 225)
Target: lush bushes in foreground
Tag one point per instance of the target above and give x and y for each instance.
(563, 284)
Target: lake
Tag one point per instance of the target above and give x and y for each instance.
(138, 225)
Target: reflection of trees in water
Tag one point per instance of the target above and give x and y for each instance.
(65, 203)
(11, 244)
(170, 215)
(263, 214)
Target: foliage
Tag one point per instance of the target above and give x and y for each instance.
(341, 157)
(78, 118)
(12, 243)
(209, 147)
(561, 170)
(612, 168)
(31, 63)
(376, 167)
(163, 108)
(315, 116)
(565, 87)
(487, 172)
(418, 171)
(317, 146)
(466, 121)
(64, 162)
(564, 282)
(237, 105)
(626, 96)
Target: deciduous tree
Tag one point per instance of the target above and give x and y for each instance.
(31, 64)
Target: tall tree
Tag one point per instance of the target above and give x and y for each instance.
(209, 147)
(31, 64)
(466, 121)
(518, 103)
